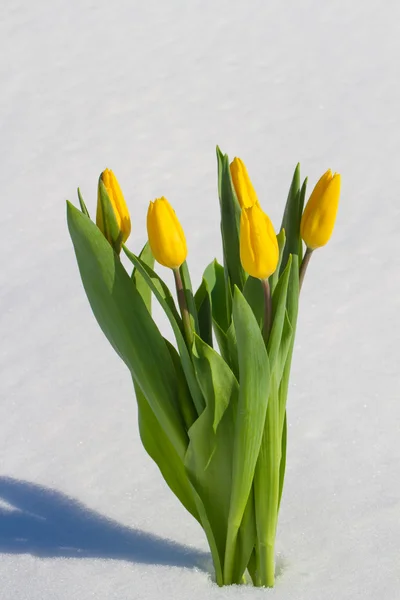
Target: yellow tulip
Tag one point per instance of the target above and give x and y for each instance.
(166, 236)
(245, 191)
(259, 251)
(319, 215)
(119, 206)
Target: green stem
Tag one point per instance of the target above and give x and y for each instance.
(304, 265)
(267, 490)
(230, 548)
(273, 468)
(267, 309)
(184, 308)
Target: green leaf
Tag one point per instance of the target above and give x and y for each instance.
(155, 284)
(146, 256)
(253, 398)
(227, 346)
(287, 338)
(209, 456)
(266, 489)
(291, 219)
(160, 449)
(233, 350)
(282, 466)
(278, 313)
(291, 310)
(301, 206)
(273, 280)
(82, 204)
(164, 297)
(188, 410)
(289, 328)
(218, 384)
(215, 278)
(230, 222)
(246, 540)
(293, 292)
(252, 566)
(125, 321)
(203, 307)
(187, 286)
(254, 294)
(112, 231)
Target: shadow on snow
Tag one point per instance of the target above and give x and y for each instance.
(47, 523)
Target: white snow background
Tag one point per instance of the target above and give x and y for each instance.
(148, 89)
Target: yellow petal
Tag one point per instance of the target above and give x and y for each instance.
(244, 189)
(259, 251)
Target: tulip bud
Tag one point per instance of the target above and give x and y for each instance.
(166, 236)
(259, 251)
(121, 226)
(244, 189)
(319, 215)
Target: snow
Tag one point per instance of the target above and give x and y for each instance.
(148, 89)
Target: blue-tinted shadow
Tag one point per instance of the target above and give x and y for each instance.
(46, 523)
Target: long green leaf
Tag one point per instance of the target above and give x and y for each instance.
(292, 303)
(282, 466)
(273, 280)
(267, 488)
(187, 287)
(253, 292)
(233, 349)
(204, 312)
(291, 219)
(214, 275)
(188, 410)
(301, 206)
(82, 204)
(253, 398)
(146, 256)
(278, 313)
(209, 456)
(164, 297)
(125, 321)
(156, 285)
(246, 540)
(230, 222)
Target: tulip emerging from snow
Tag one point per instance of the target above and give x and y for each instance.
(213, 421)
(244, 189)
(166, 236)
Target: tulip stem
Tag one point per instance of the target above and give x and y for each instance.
(267, 308)
(183, 306)
(304, 265)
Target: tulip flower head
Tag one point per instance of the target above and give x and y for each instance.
(245, 191)
(118, 204)
(259, 251)
(166, 236)
(319, 215)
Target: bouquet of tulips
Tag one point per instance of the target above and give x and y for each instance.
(212, 406)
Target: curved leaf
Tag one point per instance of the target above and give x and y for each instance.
(127, 324)
(164, 297)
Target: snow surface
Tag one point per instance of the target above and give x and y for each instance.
(148, 89)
